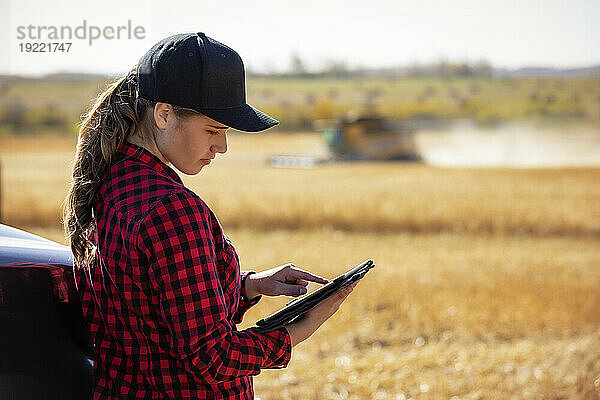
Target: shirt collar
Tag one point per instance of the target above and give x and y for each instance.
(146, 157)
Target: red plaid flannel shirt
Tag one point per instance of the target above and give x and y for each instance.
(162, 307)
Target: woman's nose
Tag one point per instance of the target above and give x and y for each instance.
(220, 144)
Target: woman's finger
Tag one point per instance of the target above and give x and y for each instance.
(302, 282)
(287, 289)
(296, 274)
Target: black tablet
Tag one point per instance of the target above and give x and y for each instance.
(301, 305)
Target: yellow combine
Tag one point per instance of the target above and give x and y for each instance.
(369, 138)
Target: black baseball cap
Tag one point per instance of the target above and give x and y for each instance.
(194, 71)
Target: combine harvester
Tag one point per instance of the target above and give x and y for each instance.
(360, 139)
(369, 138)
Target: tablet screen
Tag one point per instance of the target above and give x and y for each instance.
(301, 305)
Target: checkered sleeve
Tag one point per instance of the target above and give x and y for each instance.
(176, 241)
(245, 303)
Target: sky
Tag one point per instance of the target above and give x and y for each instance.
(375, 33)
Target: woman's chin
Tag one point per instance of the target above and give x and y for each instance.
(197, 170)
(191, 171)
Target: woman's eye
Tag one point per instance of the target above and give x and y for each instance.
(213, 132)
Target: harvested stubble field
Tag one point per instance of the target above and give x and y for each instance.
(486, 286)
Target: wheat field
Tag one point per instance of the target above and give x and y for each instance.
(487, 280)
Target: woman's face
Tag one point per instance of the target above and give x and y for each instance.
(190, 143)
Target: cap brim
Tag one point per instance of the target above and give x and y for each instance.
(244, 118)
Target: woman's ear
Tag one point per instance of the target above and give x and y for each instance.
(163, 114)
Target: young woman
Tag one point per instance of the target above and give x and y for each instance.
(160, 283)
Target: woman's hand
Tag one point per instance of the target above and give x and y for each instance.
(284, 280)
(301, 330)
